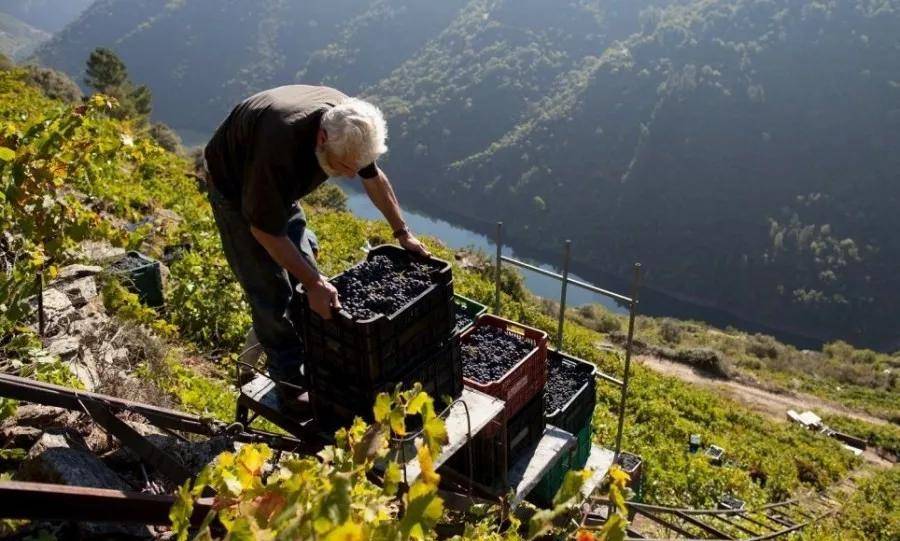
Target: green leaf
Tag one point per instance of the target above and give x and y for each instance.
(7, 154)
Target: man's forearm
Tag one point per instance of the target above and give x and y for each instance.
(286, 254)
(382, 195)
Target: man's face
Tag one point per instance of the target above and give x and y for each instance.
(335, 165)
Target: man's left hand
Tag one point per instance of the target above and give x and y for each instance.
(414, 245)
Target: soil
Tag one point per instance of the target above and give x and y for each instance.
(381, 286)
(488, 353)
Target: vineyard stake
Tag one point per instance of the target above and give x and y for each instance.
(39, 280)
(562, 295)
(632, 308)
(497, 271)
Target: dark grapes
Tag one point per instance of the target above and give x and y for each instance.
(564, 379)
(489, 353)
(381, 286)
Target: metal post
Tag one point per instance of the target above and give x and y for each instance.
(632, 310)
(40, 302)
(562, 296)
(497, 270)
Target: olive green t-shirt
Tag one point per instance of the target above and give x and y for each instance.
(263, 156)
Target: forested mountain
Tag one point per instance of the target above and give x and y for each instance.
(47, 15)
(746, 151)
(18, 39)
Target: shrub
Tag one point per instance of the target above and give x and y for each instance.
(54, 84)
(327, 196)
(670, 331)
(166, 137)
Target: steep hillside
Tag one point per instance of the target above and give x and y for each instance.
(743, 150)
(48, 15)
(72, 173)
(18, 39)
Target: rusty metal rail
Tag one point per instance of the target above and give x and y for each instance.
(42, 501)
(29, 390)
(772, 521)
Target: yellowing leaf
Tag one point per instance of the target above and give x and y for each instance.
(392, 478)
(382, 407)
(415, 405)
(346, 532)
(398, 422)
(7, 154)
(426, 464)
(619, 475)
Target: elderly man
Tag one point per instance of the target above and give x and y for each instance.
(273, 149)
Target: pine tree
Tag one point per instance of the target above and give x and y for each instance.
(107, 74)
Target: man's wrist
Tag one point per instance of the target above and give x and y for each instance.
(401, 232)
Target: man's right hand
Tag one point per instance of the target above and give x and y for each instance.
(322, 298)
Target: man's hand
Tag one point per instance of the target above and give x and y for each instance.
(322, 298)
(414, 245)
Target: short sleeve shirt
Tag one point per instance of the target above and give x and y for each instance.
(263, 156)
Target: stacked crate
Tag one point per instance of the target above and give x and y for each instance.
(521, 387)
(574, 417)
(349, 361)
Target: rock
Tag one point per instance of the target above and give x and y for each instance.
(38, 416)
(55, 302)
(87, 322)
(19, 436)
(53, 460)
(99, 251)
(65, 347)
(86, 372)
(80, 291)
(115, 356)
(78, 271)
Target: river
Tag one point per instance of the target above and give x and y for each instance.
(653, 303)
(458, 237)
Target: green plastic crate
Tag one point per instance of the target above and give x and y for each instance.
(469, 309)
(575, 459)
(142, 275)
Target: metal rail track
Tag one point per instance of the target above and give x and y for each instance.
(772, 521)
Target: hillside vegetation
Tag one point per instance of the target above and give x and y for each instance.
(18, 39)
(743, 150)
(72, 173)
(47, 15)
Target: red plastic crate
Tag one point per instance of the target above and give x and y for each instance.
(524, 380)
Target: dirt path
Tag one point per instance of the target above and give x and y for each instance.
(772, 404)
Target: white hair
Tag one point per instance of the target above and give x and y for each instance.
(355, 129)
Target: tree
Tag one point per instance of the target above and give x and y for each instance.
(107, 74)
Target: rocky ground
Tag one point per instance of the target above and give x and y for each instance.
(52, 445)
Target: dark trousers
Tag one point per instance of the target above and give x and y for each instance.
(268, 287)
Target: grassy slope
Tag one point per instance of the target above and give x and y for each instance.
(206, 306)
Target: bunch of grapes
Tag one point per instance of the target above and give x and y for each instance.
(381, 286)
(489, 353)
(563, 381)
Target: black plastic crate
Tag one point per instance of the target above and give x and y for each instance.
(579, 409)
(525, 428)
(523, 431)
(370, 352)
(336, 402)
(633, 465)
